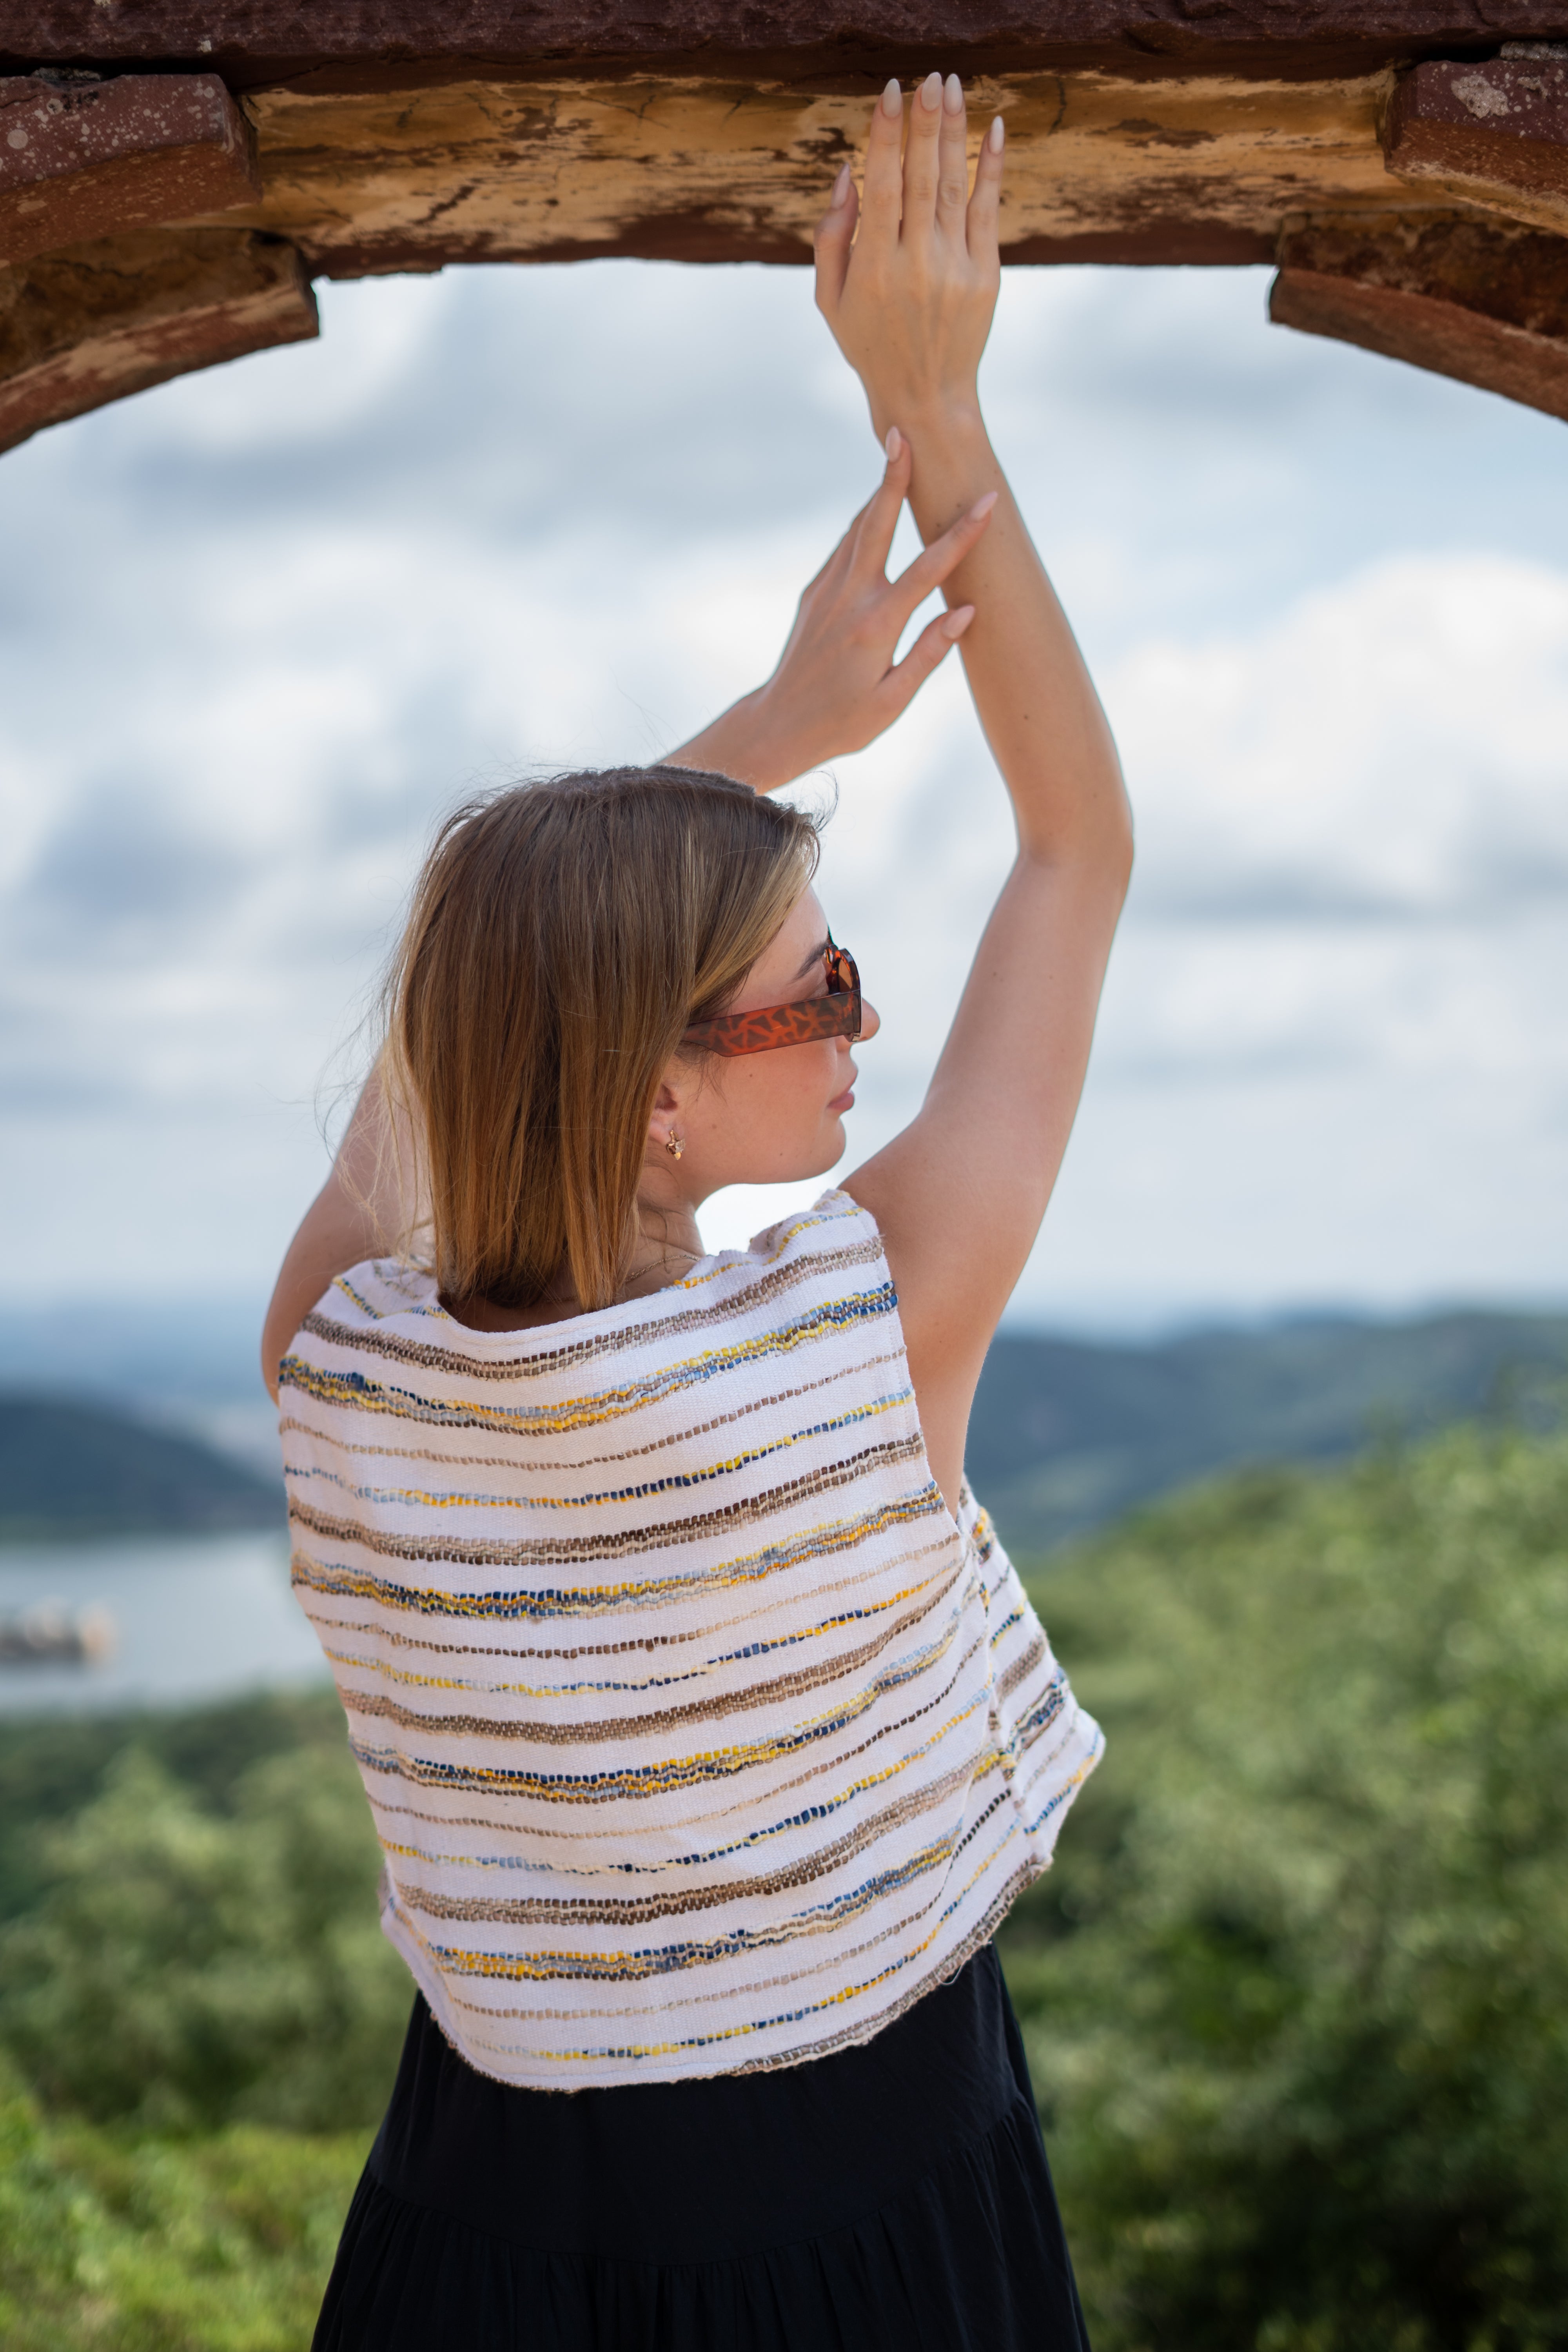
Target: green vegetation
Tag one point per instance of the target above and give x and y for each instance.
(200, 2022)
(1296, 1993)
(195, 1941)
(124, 2242)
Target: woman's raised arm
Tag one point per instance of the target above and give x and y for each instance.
(837, 684)
(961, 1193)
(360, 1211)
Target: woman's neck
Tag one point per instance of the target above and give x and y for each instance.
(667, 1244)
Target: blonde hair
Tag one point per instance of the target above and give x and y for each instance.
(563, 935)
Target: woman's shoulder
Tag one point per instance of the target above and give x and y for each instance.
(375, 1292)
(833, 1222)
(387, 1303)
(836, 1239)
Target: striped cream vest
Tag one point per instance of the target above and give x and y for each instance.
(700, 1736)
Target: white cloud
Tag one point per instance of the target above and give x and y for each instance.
(1394, 744)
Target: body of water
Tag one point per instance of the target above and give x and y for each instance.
(194, 1617)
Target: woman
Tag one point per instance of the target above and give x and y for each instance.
(707, 1731)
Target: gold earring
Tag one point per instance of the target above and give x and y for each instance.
(672, 1144)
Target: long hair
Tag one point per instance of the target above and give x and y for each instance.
(562, 934)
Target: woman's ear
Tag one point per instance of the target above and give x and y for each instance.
(664, 1114)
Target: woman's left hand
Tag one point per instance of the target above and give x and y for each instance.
(837, 686)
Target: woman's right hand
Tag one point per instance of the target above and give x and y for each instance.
(838, 683)
(909, 299)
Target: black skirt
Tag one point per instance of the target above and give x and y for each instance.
(892, 2197)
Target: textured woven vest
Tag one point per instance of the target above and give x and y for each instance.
(700, 1736)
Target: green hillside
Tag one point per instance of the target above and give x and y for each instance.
(70, 1469)
(1066, 1433)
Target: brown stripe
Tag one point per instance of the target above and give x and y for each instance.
(1021, 1668)
(559, 1552)
(588, 1911)
(686, 1436)
(862, 2030)
(821, 1543)
(666, 1719)
(536, 1364)
(1051, 1717)
(638, 1783)
(308, 1575)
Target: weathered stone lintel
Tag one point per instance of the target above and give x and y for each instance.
(1494, 135)
(1474, 300)
(85, 160)
(89, 325)
(839, 41)
(698, 170)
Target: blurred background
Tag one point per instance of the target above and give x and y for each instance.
(1294, 1991)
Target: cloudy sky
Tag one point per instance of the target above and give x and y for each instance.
(256, 629)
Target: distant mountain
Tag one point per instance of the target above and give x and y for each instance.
(73, 1469)
(1065, 1434)
(193, 1365)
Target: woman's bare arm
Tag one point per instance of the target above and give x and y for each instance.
(837, 687)
(359, 1212)
(960, 1194)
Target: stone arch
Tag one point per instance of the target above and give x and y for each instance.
(174, 176)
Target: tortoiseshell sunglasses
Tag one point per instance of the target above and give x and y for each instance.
(836, 1015)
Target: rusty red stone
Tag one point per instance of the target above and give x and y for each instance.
(87, 326)
(81, 158)
(1504, 123)
(837, 41)
(1484, 302)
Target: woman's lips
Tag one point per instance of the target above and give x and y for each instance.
(841, 1103)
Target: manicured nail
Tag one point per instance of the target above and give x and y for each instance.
(984, 506)
(956, 622)
(840, 189)
(895, 444)
(953, 94)
(893, 101)
(997, 135)
(930, 93)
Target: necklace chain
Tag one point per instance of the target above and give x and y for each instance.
(636, 1274)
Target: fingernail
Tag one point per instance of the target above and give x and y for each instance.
(840, 188)
(930, 93)
(953, 94)
(956, 622)
(984, 506)
(895, 443)
(997, 135)
(893, 99)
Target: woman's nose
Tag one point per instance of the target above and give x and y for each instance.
(870, 1020)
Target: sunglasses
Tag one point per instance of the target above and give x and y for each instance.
(836, 1015)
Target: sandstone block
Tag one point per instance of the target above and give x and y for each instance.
(838, 42)
(1471, 298)
(89, 325)
(82, 159)
(1494, 133)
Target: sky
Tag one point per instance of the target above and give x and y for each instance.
(259, 628)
